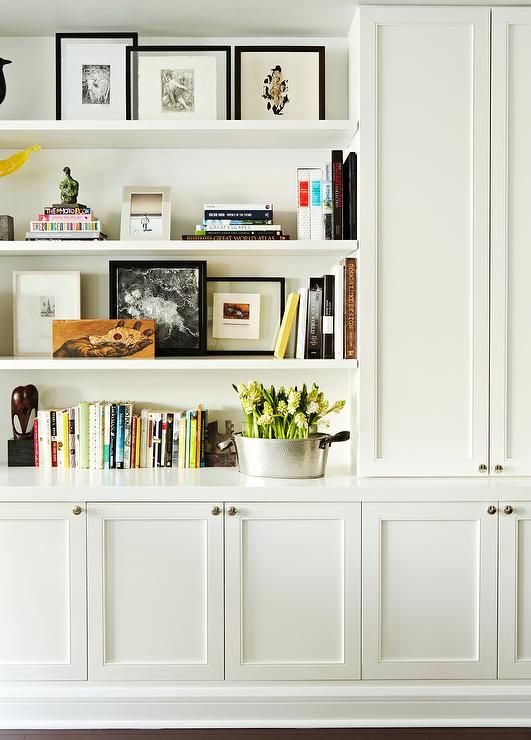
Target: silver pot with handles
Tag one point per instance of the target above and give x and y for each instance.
(283, 458)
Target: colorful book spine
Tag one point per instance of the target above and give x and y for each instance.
(198, 436)
(193, 440)
(350, 340)
(107, 437)
(36, 458)
(128, 413)
(132, 451)
(53, 436)
(66, 438)
(120, 435)
(290, 314)
(54, 226)
(327, 201)
(72, 436)
(204, 427)
(138, 440)
(187, 448)
(60, 439)
(182, 440)
(66, 210)
(79, 217)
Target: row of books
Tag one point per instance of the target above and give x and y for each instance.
(237, 221)
(65, 222)
(323, 315)
(327, 199)
(103, 435)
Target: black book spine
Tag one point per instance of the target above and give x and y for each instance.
(112, 438)
(265, 215)
(169, 441)
(337, 193)
(314, 335)
(328, 317)
(350, 197)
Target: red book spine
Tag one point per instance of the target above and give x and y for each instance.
(134, 427)
(36, 441)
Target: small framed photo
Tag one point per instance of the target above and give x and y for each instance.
(90, 75)
(244, 314)
(171, 292)
(178, 82)
(146, 213)
(38, 299)
(275, 82)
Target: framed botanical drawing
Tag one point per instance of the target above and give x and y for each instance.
(146, 213)
(172, 293)
(90, 75)
(178, 82)
(275, 82)
(38, 298)
(244, 314)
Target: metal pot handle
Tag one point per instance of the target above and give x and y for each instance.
(339, 437)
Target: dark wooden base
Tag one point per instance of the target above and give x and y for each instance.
(20, 453)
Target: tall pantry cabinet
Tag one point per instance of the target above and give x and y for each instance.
(444, 384)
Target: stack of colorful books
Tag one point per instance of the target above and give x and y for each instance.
(106, 435)
(60, 222)
(237, 221)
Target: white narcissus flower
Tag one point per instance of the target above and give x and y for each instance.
(264, 420)
(301, 422)
(282, 408)
(312, 407)
(294, 400)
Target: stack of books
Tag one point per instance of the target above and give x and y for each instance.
(323, 315)
(237, 221)
(60, 222)
(107, 435)
(327, 199)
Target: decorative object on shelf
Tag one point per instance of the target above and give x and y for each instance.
(69, 190)
(178, 82)
(90, 75)
(216, 458)
(146, 213)
(38, 298)
(3, 85)
(278, 441)
(244, 314)
(24, 407)
(103, 338)
(15, 161)
(7, 229)
(275, 82)
(171, 292)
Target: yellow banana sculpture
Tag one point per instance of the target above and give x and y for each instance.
(15, 162)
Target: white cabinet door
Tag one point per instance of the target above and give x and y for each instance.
(514, 638)
(292, 591)
(155, 591)
(429, 591)
(42, 587)
(511, 239)
(424, 240)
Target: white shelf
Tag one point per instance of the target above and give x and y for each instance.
(208, 362)
(177, 135)
(289, 248)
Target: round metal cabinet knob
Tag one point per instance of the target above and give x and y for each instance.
(216, 511)
(482, 468)
(232, 511)
(77, 510)
(498, 468)
(491, 510)
(508, 509)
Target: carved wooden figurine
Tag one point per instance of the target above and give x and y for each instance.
(216, 458)
(24, 405)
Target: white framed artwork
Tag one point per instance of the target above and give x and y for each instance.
(38, 298)
(236, 316)
(146, 213)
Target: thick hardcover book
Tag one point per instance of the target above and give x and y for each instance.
(204, 427)
(300, 342)
(36, 458)
(66, 210)
(350, 340)
(337, 193)
(350, 197)
(314, 332)
(120, 435)
(168, 449)
(327, 201)
(81, 217)
(290, 314)
(328, 316)
(50, 236)
(238, 215)
(127, 434)
(112, 436)
(53, 436)
(304, 221)
(46, 226)
(233, 237)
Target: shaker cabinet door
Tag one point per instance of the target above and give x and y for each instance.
(292, 591)
(424, 240)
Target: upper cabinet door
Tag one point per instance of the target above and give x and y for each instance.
(511, 240)
(424, 231)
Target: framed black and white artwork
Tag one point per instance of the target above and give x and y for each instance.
(146, 213)
(178, 82)
(90, 75)
(277, 82)
(172, 293)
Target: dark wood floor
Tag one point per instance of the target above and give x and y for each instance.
(387, 734)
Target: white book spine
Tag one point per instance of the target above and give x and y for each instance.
(61, 444)
(337, 272)
(143, 437)
(304, 230)
(316, 204)
(106, 435)
(92, 436)
(301, 324)
(45, 450)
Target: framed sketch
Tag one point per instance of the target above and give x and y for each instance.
(146, 213)
(244, 314)
(172, 293)
(178, 82)
(90, 81)
(38, 298)
(275, 82)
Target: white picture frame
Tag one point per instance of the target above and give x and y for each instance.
(39, 296)
(146, 213)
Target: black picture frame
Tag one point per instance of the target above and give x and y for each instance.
(199, 265)
(242, 279)
(59, 37)
(239, 50)
(131, 96)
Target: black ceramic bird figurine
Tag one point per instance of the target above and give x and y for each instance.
(3, 88)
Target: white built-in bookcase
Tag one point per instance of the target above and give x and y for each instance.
(202, 162)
